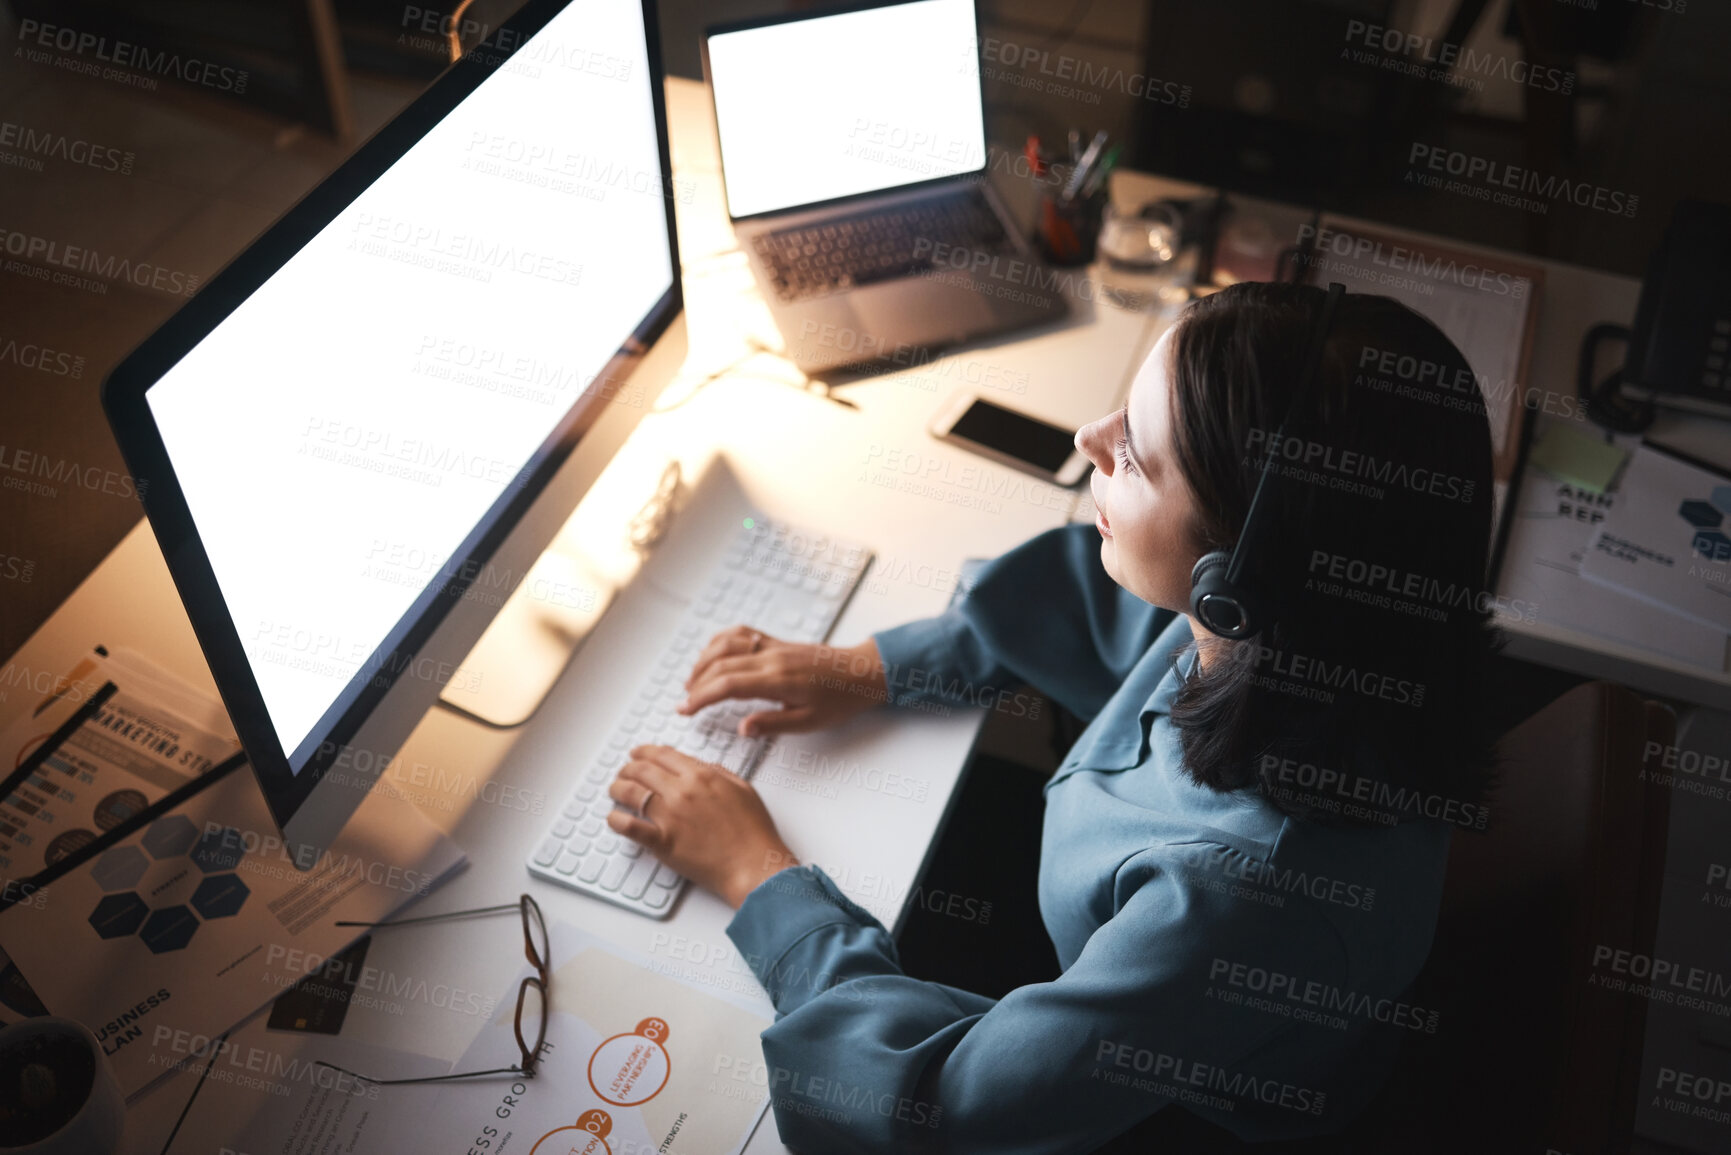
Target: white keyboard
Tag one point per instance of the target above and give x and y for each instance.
(787, 582)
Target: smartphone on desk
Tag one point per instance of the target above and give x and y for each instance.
(1047, 451)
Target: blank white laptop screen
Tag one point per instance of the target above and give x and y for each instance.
(834, 106)
(342, 432)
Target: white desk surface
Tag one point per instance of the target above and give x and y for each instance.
(803, 458)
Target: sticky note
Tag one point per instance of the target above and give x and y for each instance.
(1578, 458)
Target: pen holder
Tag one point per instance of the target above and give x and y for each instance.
(1069, 231)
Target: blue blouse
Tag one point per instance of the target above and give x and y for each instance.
(1215, 952)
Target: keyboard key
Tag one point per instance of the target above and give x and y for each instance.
(576, 808)
(740, 757)
(579, 845)
(563, 829)
(665, 875)
(629, 848)
(587, 790)
(590, 826)
(568, 862)
(617, 869)
(637, 881)
(607, 843)
(593, 865)
(655, 898)
(548, 852)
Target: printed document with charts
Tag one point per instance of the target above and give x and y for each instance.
(190, 925)
(635, 1062)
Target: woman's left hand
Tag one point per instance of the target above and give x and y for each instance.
(703, 821)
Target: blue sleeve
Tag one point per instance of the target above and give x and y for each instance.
(1045, 613)
(862, 1058)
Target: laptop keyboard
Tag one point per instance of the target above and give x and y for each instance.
(877, 245)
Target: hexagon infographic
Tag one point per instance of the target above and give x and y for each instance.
(168, 929)
(119, 868)
(219, 896)
(118, 915)
(1700, 514)
(192, 875)
(170, 836)
(1711, 543)
(218, 850)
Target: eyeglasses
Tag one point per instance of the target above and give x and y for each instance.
(532, 1000)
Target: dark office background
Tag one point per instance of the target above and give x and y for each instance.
(1274, 104)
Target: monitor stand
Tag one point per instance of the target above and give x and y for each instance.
(530, 641)
(538, 630)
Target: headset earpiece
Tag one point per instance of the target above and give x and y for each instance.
(1222, 608)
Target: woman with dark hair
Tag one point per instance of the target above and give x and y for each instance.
(1243, 853)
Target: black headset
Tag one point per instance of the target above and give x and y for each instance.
(1220, 598)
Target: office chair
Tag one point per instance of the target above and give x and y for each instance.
(1527, 1056)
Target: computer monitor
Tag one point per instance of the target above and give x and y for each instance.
(811, 109)
(402, 388)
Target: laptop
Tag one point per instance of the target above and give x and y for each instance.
(853, 153)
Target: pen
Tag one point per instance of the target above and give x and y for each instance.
(1101, 171)
(1033, 153)
(1090, 157)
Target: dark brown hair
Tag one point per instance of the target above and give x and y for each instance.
(1361, 702)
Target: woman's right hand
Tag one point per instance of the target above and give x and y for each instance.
(818, 686)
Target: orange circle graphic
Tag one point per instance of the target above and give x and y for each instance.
(588, 1136)
(632, 1068)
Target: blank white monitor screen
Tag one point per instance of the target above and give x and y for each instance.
(812, 110)
(341, 433)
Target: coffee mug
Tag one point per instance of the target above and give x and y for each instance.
(58, 1094)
